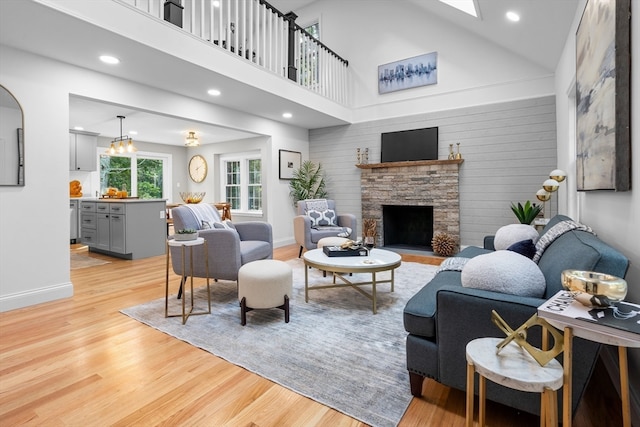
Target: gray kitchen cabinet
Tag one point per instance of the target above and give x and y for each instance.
(82, 151)
(124, 228)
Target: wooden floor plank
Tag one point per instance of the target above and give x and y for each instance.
(79, 361)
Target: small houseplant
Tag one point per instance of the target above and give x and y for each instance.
(186, 234)
(307, 182)
(526, 213)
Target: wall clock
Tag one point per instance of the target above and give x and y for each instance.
(197, 168)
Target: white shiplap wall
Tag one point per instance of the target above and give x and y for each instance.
(508, 149)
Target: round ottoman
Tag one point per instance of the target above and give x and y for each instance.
(266, 283)
(331, 241)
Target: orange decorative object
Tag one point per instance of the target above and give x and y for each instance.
(75, 189)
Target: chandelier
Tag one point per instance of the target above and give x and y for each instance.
(118, 144)
(192, 140)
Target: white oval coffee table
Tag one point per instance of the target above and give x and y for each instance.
(378, 260)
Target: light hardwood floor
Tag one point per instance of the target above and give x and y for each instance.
(79, 362)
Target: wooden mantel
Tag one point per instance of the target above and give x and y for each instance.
(409, 163)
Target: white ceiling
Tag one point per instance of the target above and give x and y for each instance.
(540, 37)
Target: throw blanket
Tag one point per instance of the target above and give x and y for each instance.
(204, 213)
(341, 231)
(455, 263)
(556, 231)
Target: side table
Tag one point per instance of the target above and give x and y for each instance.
(514, 368)
(603, 338)
(183, 244)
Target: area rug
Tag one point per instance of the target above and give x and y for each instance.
(334, 350)
(83, 261)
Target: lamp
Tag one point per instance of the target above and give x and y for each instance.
(550, 185)
(117, 145)
(192, 140)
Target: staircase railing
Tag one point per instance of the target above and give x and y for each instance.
(257, 32)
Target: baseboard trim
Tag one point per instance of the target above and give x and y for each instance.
(609, 356)
(35, 296)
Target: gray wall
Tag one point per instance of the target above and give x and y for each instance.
(508, 150)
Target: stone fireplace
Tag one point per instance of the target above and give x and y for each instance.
(410, 185)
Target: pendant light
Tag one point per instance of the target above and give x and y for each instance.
(192, 140)
(118, 145)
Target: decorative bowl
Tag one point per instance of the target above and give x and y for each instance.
(602, 290)
(189, 197)
(185, 236)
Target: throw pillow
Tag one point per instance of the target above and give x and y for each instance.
(206, 225)
(513, 233)
(506, 272)
(322, 218)
(526, 248)
(224, 225)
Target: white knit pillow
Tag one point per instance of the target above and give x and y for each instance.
(504, 271)
(514, 233)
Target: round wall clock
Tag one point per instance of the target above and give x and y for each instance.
(197, 168)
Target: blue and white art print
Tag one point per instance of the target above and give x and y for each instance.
(412, 72)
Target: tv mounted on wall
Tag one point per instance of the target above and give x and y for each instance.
(407, 145)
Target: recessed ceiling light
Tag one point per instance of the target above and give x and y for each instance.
(133, 132)
(512, 16)
(215, 3)
(107, 59)
(287, 115)
(78, 128)
(213, 92)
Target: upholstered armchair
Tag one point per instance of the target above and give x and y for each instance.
(230, 245)
(318, 218)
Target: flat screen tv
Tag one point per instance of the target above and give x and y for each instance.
(406, 145)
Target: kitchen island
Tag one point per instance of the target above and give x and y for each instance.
(124, 228)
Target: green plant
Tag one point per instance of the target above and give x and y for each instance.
(307, 182)
(186, 231)
(527, 213)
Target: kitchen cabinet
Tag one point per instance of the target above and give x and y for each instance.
(82, 151)
(125, 228)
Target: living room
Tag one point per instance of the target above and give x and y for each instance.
(43, 86)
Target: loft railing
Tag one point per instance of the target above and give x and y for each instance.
(257, 32)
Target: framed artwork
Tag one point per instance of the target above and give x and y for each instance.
(603, 96)
(420, 70)
(289, 162)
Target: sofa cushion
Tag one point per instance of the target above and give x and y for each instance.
(420, 310)
(513, 233)
(504, 271)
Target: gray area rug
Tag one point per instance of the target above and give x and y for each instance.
(334, 350)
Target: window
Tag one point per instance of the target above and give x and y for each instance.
(143, 175)
(242, 181)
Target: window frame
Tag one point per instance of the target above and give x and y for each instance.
(243, 158)
(167, 167)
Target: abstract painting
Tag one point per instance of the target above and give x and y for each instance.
(412, 72)
(603, 73)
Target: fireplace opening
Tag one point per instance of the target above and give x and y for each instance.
(408, 227)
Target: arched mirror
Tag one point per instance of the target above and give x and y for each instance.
(11, 140)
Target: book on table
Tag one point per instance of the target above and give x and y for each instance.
(621, 320)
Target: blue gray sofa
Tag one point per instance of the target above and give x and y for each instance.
(444, 316)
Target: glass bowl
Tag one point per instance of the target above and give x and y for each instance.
(189, 197)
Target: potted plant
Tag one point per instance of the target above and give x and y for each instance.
(186, 234)
(307, 182)
(526, 213)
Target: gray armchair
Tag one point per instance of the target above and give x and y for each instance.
(307, 235)
(230, 246)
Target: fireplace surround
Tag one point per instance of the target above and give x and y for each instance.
(429, 183)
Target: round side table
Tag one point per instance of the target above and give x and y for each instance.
(183, 244)
(514, 368)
